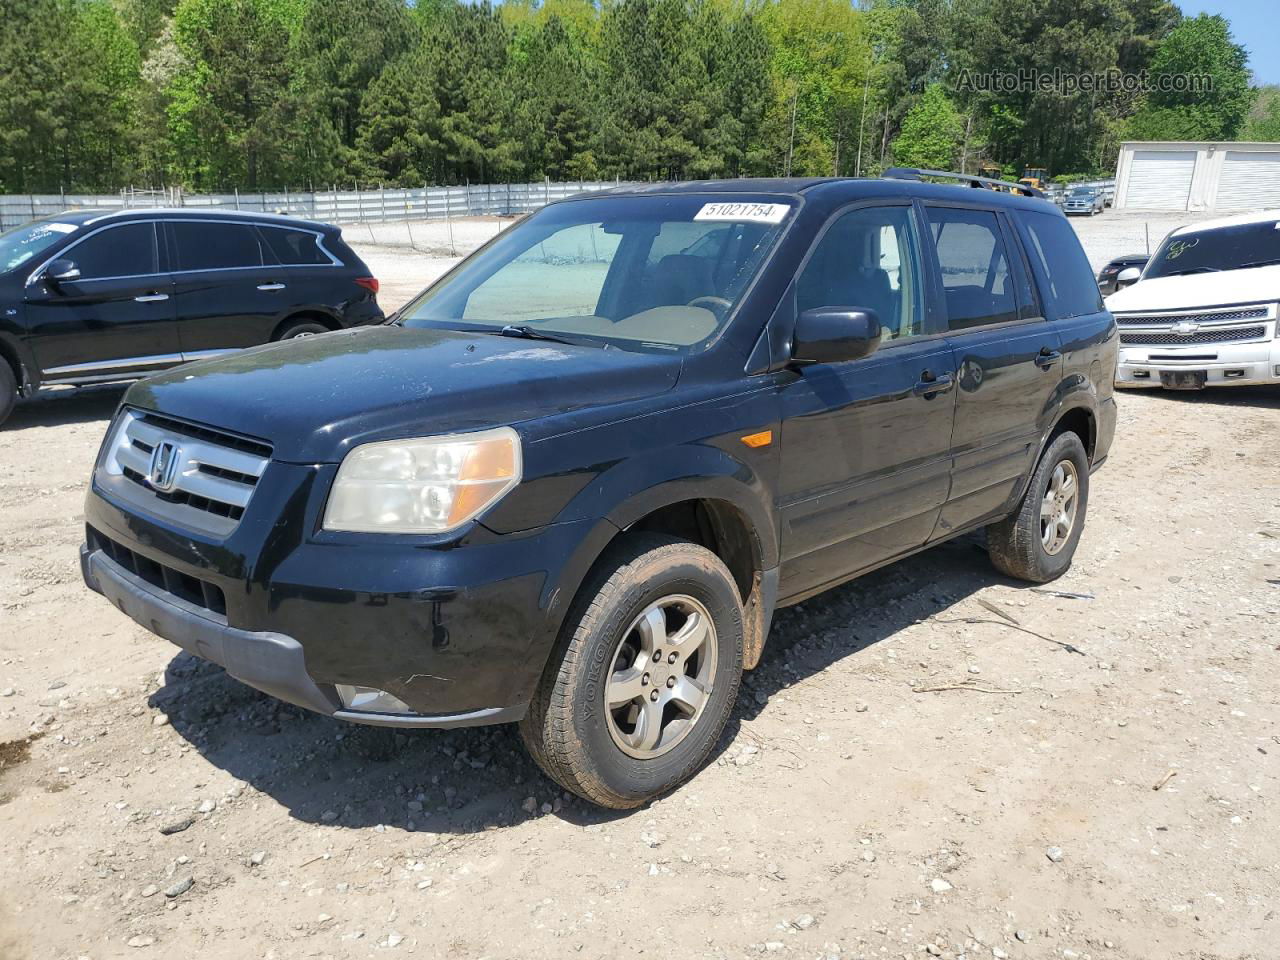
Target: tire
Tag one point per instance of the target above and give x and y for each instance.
(302, 328)
(613, 757)
(1021, 545)
(8, 390)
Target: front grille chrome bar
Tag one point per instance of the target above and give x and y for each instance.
(189, 474)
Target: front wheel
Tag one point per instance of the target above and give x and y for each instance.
(1038, 541)
(645, 677)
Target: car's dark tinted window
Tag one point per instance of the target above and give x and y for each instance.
(975, 267)
(294, 247)
(1067, 283)
(216, 246)
(124, 251)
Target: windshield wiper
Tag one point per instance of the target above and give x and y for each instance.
(526, 332)
(1259, 263)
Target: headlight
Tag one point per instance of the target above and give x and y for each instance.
(431, 485)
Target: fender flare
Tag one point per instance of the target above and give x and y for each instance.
(1079, 400)
(632, 489)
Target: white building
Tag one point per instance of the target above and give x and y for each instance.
(1169, 175)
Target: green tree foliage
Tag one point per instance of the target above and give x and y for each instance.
(931, 132)
(232, 110)
(69, 72)
(1197, 48)
(342, 48)
(819, 59)
(1263, 123)
(263, 94)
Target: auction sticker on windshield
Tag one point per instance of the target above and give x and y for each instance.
(743, 212)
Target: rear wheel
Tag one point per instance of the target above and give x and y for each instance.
(302, 328)
(8, 390)
(645, 677)
(1038, 541)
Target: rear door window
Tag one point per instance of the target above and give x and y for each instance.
(294, 247)
(216, 246)
(128, 250)
(977, 281)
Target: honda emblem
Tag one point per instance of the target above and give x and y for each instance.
(164, 465)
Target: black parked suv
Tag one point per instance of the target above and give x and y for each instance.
(571, 486)
(89, 297)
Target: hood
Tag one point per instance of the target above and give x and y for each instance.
(1228, 288)
(317, 397)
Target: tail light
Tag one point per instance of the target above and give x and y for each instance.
(369, 283)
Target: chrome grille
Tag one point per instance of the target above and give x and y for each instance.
(1161, 339)
(195, 476)
(1168, 320)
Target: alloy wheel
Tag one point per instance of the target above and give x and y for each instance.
(1058, 508)
(661, 679)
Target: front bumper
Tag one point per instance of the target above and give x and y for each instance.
(1224, 364)
(270, 662)
(460, 631)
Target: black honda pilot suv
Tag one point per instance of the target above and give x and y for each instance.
(573, 480)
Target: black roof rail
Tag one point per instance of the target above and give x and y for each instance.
(986, 183)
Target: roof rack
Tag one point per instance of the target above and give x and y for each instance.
(985, 183)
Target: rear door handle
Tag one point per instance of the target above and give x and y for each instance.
(151, 298)
(271, 286)
(930, 384)
(1046, 358)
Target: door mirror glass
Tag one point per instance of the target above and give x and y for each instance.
(835, 334)
(62, 269)
(1128, 277)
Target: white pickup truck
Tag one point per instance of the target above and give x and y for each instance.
(1204, 312)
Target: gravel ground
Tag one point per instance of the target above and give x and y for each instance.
(931, 761)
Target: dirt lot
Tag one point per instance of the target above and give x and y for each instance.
(1096, 779)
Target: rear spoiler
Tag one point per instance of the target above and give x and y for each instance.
(985, 183)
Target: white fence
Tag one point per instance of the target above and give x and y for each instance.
(364, 206)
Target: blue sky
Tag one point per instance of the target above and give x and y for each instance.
(1253, 25)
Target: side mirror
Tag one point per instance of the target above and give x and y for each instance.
(835, 334)
(60, 270)
(1128, 277)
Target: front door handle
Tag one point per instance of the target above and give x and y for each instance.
(931, 384)
(271, 286)
(1046, 358)
(151, 298)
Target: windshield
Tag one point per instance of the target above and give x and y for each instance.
(659, 273)
(1084, 192)
(1221, 248)
(24, 243)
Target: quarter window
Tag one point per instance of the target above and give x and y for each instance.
(216, 246)
(869, 258)
(975, 267)
(128, 250)
(1067, 279)
(294, 247)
